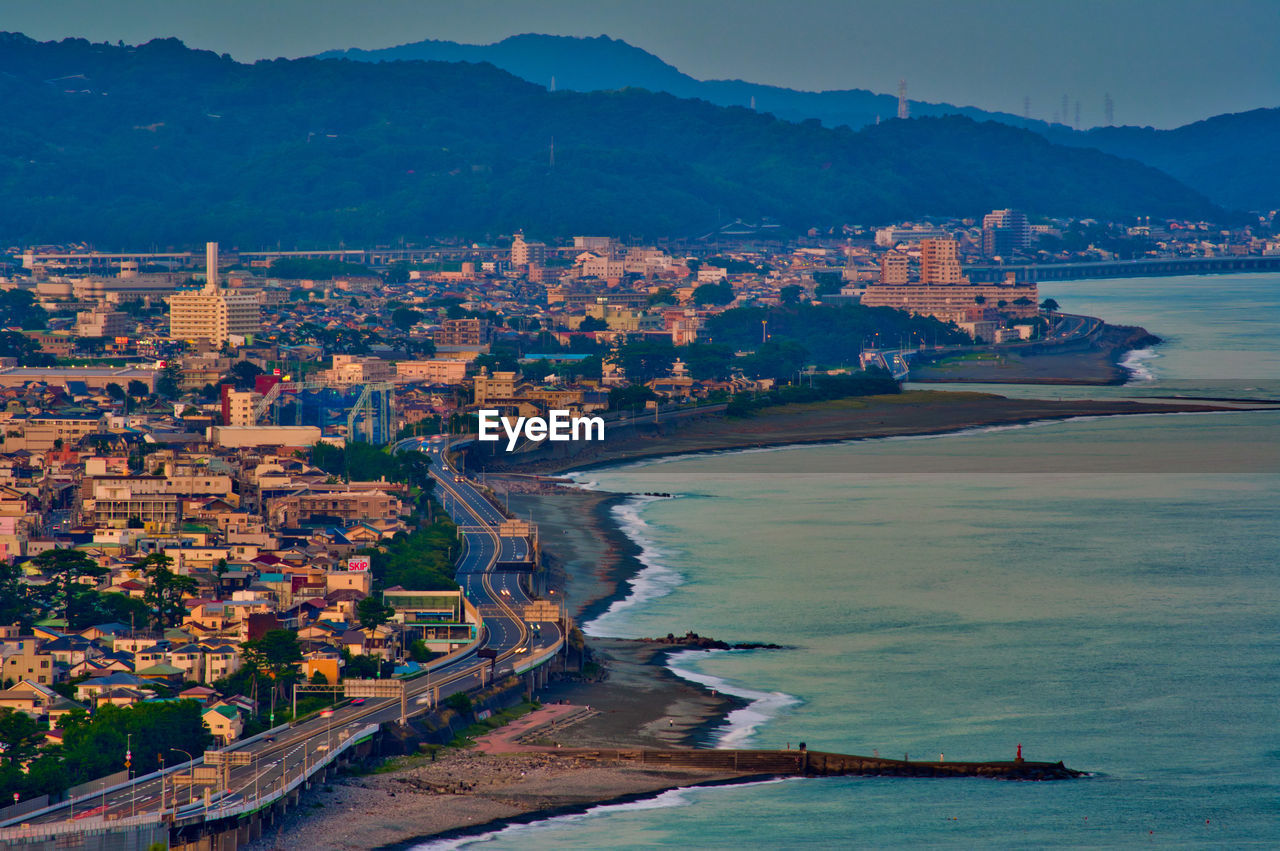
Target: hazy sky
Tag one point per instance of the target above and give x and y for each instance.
(1165, 62)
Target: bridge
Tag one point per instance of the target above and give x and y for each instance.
(235, 788)
(893, 361)
(1035, 272)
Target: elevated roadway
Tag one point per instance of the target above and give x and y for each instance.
(285, 755)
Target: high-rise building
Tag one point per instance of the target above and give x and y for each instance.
(894, 269)
(1005, 231)
(940, 262)
(462, 332)
(213, 314)
(527, 253)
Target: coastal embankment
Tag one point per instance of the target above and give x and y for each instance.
(1095, 360)
(913, 412)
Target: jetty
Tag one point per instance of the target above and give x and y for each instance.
(807, 763)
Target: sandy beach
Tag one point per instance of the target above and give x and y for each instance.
(459, 791)
(910, 413)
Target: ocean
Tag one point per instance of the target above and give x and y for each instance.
(1104, 591)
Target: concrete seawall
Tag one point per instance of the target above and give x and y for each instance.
(821, 764)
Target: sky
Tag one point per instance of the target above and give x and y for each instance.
(1164, 62)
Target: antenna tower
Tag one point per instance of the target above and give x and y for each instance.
(553, 82)
(553, 152)
(1026, 107)
(1077, 115)
(904, 109)
(1109, 109)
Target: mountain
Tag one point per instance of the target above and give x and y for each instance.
(161, 144)
(604, 64)
(1229, 158)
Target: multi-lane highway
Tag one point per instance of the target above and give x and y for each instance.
(275, 760)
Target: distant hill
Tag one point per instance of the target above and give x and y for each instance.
(603, 64)
(1230, 158)
(160, 144)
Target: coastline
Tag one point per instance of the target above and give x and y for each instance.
(641, 701)
(464, 793)
(911, 413)
(1099, 361)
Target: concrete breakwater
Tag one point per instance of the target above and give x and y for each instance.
(806, 763)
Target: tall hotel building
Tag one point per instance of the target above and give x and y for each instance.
(213, 314)
(943, 291)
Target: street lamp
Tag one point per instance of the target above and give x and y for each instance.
(128, 767)
(190, 759)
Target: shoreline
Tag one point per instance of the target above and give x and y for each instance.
(641, 702)
(460, 793)
(913, 413)
(544, 815)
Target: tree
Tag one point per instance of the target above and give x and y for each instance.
(165, 590)
(243, 374)
(276, 655)
(405, 318)
(790, 294)
(593, 323)
(220, 570)
(20, 736)
(115, 391)
(137, 389)
(664, 295)
(66, 568)
(777, 359)
(1049, 305)
(371, 612)
(359, 667)
(631, 397)
(419, 652)
(718, 293)
(398, 273)
(645, 360)
(169, 384)
(708, 361)
(15, 596)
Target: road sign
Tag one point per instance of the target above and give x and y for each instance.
(542, 610)
(515, 529)
(227, 757)
(358, 564)
(373, 688)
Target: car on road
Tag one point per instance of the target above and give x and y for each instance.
(357, 701)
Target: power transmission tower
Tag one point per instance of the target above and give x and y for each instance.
(1026, 107)
(1109, 109)
(1065, 104)
(1077, 115)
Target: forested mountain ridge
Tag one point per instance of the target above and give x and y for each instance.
(157, 143)
(1229, 158)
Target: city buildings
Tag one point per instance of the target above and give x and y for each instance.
(214, 315)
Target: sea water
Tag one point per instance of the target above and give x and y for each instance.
(1103, 591)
